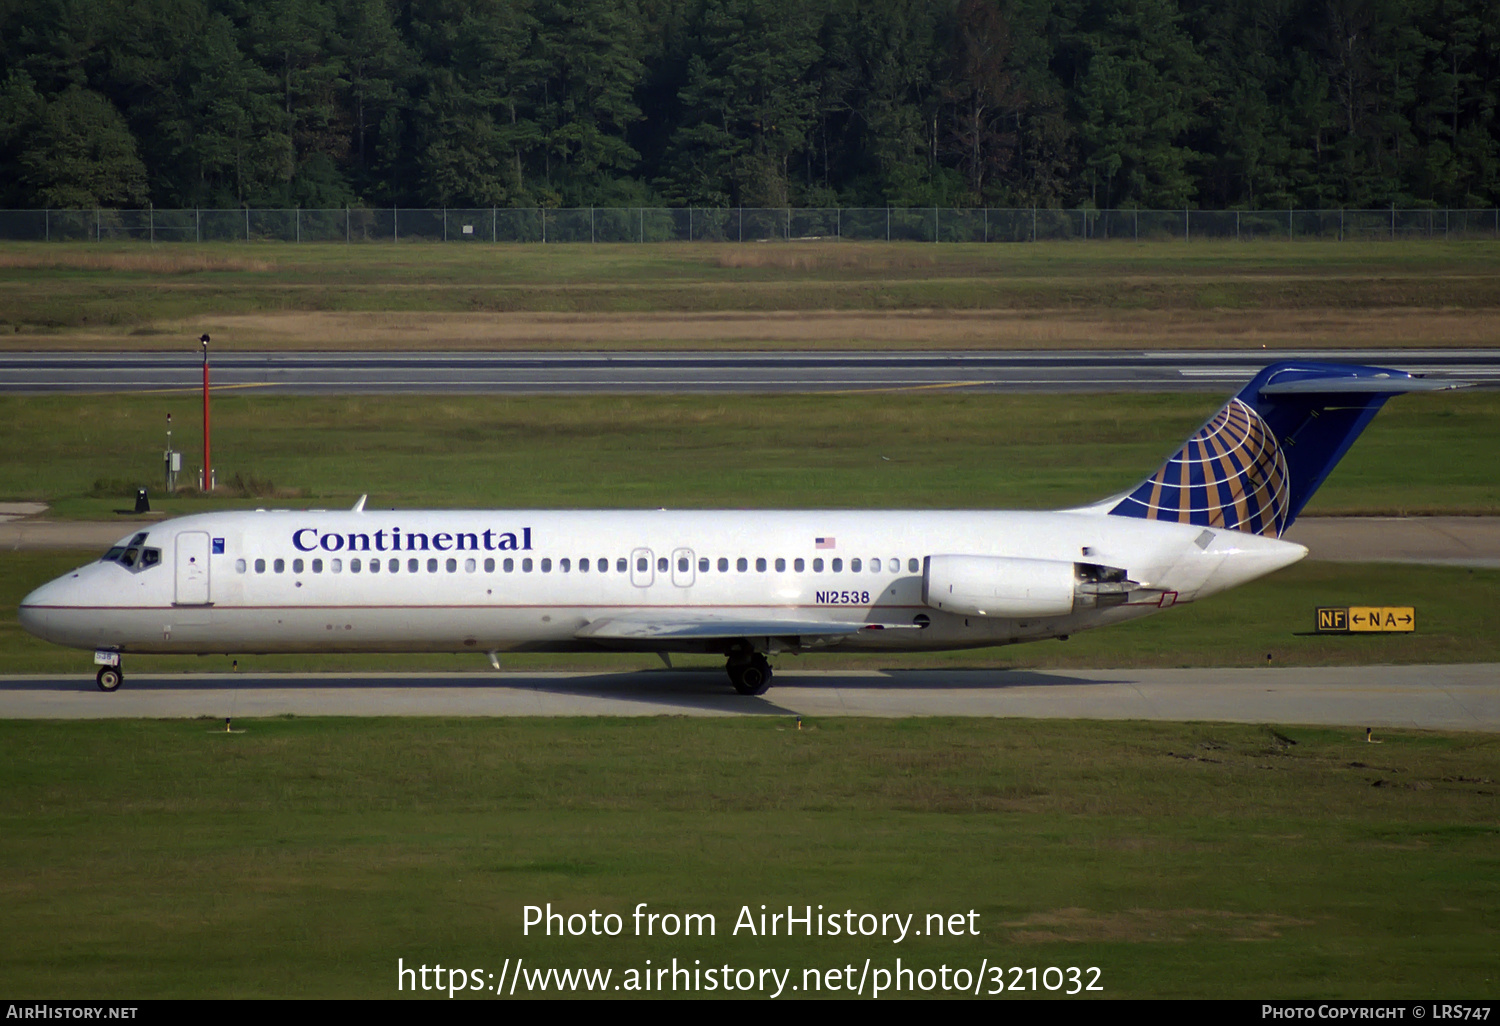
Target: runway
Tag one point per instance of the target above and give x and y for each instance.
(1456, 697)
(695, 372)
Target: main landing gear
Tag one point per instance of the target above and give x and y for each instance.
(109, 678)
(749, 673)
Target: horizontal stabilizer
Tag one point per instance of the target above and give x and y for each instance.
(1362, 386)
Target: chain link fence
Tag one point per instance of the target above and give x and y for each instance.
(736, 224)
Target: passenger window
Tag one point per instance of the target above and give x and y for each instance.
(297, 566)
(354, 566)
(526, 565)
(818, 565)
(547, 565)
(760, 564)
(489, 564)
(279, 566)
(336, 565)
(854, 566)
(374, 566)
(836, 566)
(780, 565)
(432, 565)
(317, 566)
(260, 566)
(395, 564)
(469, 566)
(703, 564)
(603, 563)
(414, 565)
(642, 564)
(797, 564)
(911, 565)
(583, 565)
(509, 565)
(723, 565)
(564, 565)
(451, 565)
(682, 564)
(621, 565)
(742, 564)
(875, 566)
(239, 566)
(661, 564)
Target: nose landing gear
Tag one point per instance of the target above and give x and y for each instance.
(749, 673)
(109, 678)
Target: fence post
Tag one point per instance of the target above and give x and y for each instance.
(299, 225)
(741, 211)
(936, 230)
(1135, 225)
(197, 225)
(151, 219)
(986, 224)
(395, 228)
(838, 222)
(247, 224)
(1033, 224)
(1341, 224)
(47, 224)
(887, 224)
(494, 225)
(98, 225)
(1393, 221)
(1289, 211)
(346, 224)
(1187, 225)
(445, 224)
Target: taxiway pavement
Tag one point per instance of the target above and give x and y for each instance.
(1451, 697)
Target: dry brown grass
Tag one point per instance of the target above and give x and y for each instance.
(133, 261)
(834, 256)
(828, 329)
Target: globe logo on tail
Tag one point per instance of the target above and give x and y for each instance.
(1230, 474)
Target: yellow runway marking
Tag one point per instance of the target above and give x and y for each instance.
(906, 388)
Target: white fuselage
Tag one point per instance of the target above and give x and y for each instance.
(476, 580)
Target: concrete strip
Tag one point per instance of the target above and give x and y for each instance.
(1454, 541)
(1457, 697)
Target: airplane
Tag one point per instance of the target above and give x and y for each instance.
(744, 584)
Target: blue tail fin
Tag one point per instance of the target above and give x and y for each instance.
(1255, 464)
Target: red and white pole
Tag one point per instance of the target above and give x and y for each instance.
(208, 481)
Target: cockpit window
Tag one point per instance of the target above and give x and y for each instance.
(133, 556)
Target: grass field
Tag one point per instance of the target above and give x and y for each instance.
(577, 296)
(1423, 454)
(302, 858)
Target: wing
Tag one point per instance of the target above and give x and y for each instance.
(651, 625)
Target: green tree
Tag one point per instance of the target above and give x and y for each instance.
(80, 153)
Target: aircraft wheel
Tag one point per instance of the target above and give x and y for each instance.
(109, 678)
(750, 678)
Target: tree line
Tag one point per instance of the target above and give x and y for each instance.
(1103, 103)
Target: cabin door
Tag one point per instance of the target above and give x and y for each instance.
(192, 569)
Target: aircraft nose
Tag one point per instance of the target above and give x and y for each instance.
(36, 612)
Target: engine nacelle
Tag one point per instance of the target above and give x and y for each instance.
(1009, 587)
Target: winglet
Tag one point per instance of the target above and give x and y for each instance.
(359, 507)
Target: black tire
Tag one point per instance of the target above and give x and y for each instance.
(750, 678)
(109, 678)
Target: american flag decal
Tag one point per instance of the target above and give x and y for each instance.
(1230, 474)
(825, 543)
